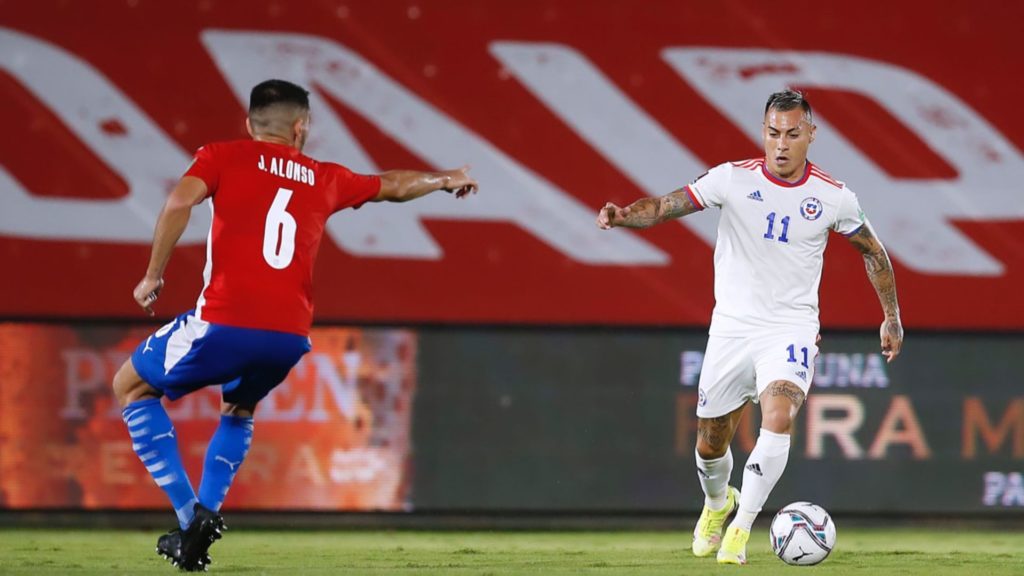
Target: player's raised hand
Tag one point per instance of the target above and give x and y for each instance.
(459, 182)
(146, 293)
(611, 215)
(892, 338)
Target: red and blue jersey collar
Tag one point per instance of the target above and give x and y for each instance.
(776, 180)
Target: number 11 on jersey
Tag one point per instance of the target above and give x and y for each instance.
(792, 354)
(279, 232)
(771, 225)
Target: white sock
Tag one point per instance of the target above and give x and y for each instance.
(764, 468)
(714, 478)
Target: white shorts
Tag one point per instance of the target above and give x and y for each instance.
(736, 370)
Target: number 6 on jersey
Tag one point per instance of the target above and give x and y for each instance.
(279, 232)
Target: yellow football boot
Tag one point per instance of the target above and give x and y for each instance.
(707, 536)
(734, 546)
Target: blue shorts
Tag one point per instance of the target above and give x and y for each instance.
(188, 354)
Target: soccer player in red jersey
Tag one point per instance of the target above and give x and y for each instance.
(251, 322)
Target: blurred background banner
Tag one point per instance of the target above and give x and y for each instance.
(559, 106)
(333, 436)
(478, 420)
(591, 421)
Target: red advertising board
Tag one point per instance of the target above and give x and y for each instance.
(333, 436)
(559, 106)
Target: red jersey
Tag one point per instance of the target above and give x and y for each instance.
(269, 205)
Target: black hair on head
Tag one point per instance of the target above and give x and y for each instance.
(787, 100)
(271, 92)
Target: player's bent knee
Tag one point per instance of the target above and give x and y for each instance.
(714, 436)
(237, 410)
(780, 403)
(777, 420)
(130, 387)
(122, 383)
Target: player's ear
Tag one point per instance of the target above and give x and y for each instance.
(814, 130)
(248, 127)
(299, 129)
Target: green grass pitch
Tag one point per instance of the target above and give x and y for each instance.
(860, 551)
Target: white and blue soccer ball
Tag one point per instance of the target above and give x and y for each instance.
(803, 534)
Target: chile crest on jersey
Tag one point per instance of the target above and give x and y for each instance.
(811, 208)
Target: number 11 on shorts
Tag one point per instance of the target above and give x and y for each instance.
(792, 354)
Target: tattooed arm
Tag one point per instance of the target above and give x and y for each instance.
(646, 212)
(879, 269)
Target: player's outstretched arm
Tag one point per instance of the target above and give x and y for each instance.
(405, 185)
(169, 228)
(646, 211)
(879, 269)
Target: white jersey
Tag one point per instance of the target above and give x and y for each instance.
(771, 241)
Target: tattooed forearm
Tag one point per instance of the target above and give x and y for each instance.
(880, 272)
(650, 211)
(676, 205)
(642, 213)
(879, 269)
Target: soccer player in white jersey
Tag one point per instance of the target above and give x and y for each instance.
(777, 212)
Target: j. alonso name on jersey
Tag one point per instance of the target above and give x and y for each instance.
(290, 169)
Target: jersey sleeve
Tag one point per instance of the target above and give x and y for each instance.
(709, 188)
(206, 167)
(352, 190)
(850, 217)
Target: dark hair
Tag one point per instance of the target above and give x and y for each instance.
(787, 100)
(271, 92)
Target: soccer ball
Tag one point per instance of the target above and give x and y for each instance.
(803, 534)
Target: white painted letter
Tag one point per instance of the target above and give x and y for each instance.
(913, 217)
(510, 192)
(137, 150)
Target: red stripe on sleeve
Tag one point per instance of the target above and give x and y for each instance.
(693, 198)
